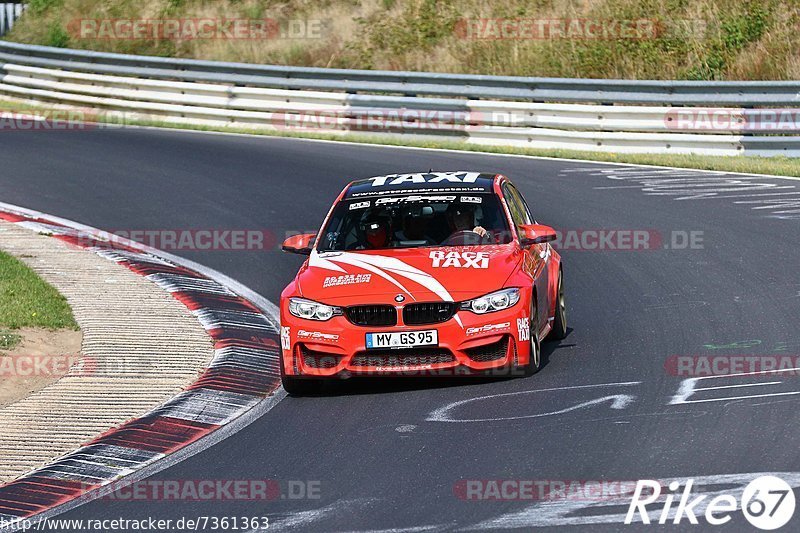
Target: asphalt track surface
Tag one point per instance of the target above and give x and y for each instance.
(601, 407)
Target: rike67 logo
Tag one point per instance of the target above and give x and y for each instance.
(767, 503)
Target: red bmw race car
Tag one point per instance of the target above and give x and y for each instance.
(437, 273)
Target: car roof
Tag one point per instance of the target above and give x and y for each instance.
(420, 182)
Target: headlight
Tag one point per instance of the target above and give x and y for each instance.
(496, 301)
(310, 310)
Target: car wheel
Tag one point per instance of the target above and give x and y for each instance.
(559, 330)
(535, 359)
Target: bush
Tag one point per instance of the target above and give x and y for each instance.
(57, 36)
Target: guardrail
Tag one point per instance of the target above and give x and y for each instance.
(514, 111)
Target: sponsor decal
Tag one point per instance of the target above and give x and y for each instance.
(404, 368)
(433, 177)
(460, 259)
(419, 190)
(359, 205)
(489, 328)
(413, 199)
(524, 328)
(349, 279)
(383, 266)
(286, 338)
(471, 199)
(317, 336)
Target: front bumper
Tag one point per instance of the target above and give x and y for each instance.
(469, 344)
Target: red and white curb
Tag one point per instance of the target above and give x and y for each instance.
(242, 374)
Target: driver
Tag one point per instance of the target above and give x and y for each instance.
(461, 217)
(377, 231)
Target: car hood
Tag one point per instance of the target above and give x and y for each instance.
(418, 274)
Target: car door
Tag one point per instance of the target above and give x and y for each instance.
(536, 255)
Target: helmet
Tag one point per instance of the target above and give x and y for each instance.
(376, 228)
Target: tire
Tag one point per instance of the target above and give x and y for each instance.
(559, 330)
(535, 359)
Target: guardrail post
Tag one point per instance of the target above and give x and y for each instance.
(9, 12)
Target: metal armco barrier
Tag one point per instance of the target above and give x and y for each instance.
(715, 118)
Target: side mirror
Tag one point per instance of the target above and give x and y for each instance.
(299, 244)
(536, 234)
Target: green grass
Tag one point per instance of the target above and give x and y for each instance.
(8, 340)
(775, 166)
(26, 300)
(693, 39)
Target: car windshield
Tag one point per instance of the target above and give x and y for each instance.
(415, 221)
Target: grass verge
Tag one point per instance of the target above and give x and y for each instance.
(26, 300)
(775, 166)
(677, 39)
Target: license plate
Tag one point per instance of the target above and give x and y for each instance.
(403, 339)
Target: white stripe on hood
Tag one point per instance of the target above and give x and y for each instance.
(380, 264)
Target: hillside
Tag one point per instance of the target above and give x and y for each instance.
(644, 39)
